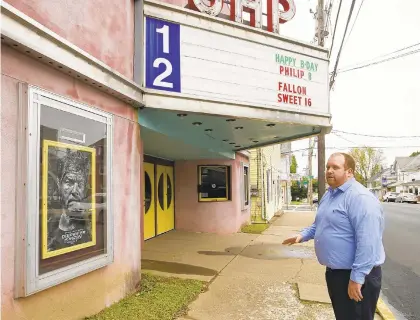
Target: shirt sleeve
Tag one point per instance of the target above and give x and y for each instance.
(308, 233)
(366, 217)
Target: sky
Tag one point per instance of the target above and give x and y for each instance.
(380, 100)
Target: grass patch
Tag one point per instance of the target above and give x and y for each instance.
(295, 203)
(255, 228)
(160, 298)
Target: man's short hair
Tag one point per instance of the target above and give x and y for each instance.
(74, 161)
(349, 162)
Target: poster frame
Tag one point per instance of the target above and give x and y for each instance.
(28, 278)
(45, 149)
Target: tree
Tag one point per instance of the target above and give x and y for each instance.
(305, 181)
(299, 190)
(315, 185)
(368, 163)
(293, 165)
(415, 154)
(295, 190)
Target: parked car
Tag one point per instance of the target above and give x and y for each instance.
(406, 197)
(390, 196)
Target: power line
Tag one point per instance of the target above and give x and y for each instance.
(374, 136)
(328, 24)
(335, 27)
(341, 46)
(373, 147)
(355, 20)
(351, 147)
(380, 61)
(341, 137)
(381, 56)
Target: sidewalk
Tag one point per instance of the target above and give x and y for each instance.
(250, 276)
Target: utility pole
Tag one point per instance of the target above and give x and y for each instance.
(310, 154)
(321, 137)
(321, 165)
(320, 23)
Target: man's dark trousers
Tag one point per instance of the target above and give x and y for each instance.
(344, 307)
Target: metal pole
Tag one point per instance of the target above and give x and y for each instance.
(321, 166)
(321, 137)
(310, 154)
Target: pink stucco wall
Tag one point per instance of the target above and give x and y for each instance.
(104, 29)
(214, 217)
(92, 292)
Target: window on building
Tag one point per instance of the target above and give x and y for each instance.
(68, 216)
(213, 183)
(246, 185)
(269, 188)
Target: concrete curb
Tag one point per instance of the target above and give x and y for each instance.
(384, 310)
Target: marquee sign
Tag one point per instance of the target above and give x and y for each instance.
(278, 11)
(192, 60)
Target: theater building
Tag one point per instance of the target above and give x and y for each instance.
(124, 120)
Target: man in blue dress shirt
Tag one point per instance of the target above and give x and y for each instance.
(348, 231)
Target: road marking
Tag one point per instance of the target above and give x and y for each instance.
(384, 310)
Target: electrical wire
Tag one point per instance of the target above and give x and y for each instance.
(351, 147)
(380, 61)
(381, 56)
(335, 28)
(332, 80)
(373, 147)
(328, 11)
(355, 20)
(373, 136)
(341, 137)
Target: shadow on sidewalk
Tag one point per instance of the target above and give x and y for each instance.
(176, 268)
(264, 251)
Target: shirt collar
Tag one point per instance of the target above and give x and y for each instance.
(344, 186)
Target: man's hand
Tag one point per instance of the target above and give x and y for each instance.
(293, 240)
(355, 291)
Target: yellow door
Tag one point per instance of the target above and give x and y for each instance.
(165, 198)
(149, 201)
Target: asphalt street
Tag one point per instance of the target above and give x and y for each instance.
(401, 271)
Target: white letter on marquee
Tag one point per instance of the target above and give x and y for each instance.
(255, 5)
(213, 9)
(275, 15)
(289, 10)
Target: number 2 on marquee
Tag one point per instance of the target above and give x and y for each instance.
(158, 61)
(168, 71)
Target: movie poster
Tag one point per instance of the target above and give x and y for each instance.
(68, 198)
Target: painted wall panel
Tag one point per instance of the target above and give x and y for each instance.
(267, 172)
(217, 217)
(104, 29)
(94, 291)
(272, 163)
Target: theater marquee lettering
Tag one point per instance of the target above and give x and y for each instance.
(292, 67)
(278, 11)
